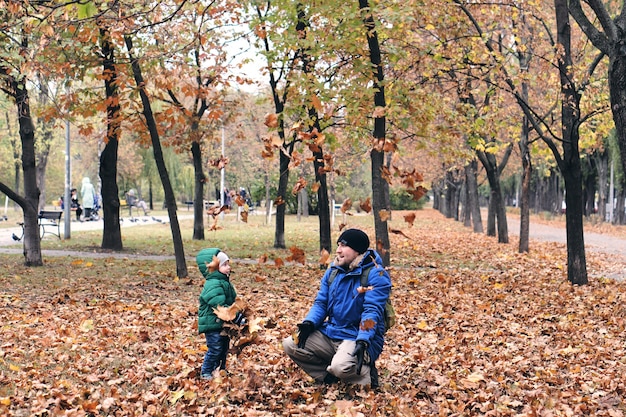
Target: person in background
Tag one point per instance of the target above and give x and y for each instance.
(343, 333)
(88, 193)
(75, 205)
(133, 201)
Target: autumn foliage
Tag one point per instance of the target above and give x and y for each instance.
(481, 330)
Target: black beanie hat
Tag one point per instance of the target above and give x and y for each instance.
(356, 239)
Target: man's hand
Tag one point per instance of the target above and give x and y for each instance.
(359, 352)
(304, 331)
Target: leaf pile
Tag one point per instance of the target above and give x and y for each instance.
(481, 330)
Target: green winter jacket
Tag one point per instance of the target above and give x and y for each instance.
(217, 291)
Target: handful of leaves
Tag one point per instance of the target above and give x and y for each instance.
(240, 335)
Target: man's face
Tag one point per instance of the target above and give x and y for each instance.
(344, 255)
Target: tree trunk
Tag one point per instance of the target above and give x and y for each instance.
(16, 156)
(380, 187)
(496, 218)
(111, 235)
(30, 202)
(601, 161)
(570, 163)
(170, 199)
(323, 204)
(44, 143)
(472, 189)
(198, 198)
(281, 206)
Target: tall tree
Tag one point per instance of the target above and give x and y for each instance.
(605, 29)
(380, 187)
(112, 235)
(170, 199)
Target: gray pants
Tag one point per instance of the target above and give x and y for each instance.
(322, 355)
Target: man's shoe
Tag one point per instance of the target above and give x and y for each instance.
(330, 379)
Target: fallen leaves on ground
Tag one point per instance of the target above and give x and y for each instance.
(481, 330)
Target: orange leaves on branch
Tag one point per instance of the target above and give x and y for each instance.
(300, 185)
(366, 205)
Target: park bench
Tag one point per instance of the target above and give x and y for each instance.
(48, 220)
(188, 204)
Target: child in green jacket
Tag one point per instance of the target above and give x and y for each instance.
(218, 291)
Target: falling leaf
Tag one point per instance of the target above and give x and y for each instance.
(363, 290)
(278, 262)
(398, 232)
(271, 120)
(409, 218)
(418, 193)
(262, 259)
(324, 257)
(214, 265)
(297, 255)
(366, 205)
(384, 215)
(346, 205)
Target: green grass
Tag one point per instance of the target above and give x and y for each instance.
(241, 240)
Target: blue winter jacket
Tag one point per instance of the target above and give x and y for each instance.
(342, 313)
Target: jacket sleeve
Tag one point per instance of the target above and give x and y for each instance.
(318, 312)
(374, 303)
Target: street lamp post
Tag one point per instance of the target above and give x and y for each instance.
(67, 199)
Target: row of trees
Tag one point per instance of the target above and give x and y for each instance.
(412, 85)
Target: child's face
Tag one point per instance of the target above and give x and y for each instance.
(225, 268)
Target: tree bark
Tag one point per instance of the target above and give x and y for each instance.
(472, 190)
(380, 187)
(570, 163)
(111, 235)
(170, 199)
(198, 198)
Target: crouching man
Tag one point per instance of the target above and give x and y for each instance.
(343, 334)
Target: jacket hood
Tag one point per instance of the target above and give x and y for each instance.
(204, 258)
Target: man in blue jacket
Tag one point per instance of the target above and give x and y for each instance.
(343, 334)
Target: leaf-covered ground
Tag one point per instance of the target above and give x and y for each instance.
(482, 330)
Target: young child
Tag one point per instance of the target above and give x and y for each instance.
(217, 291)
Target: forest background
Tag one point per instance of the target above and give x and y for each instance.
(424, 96)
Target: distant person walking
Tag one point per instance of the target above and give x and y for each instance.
(88, 193)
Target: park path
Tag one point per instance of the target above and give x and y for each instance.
(612, 246)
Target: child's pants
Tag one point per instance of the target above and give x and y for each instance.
(215, 357)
